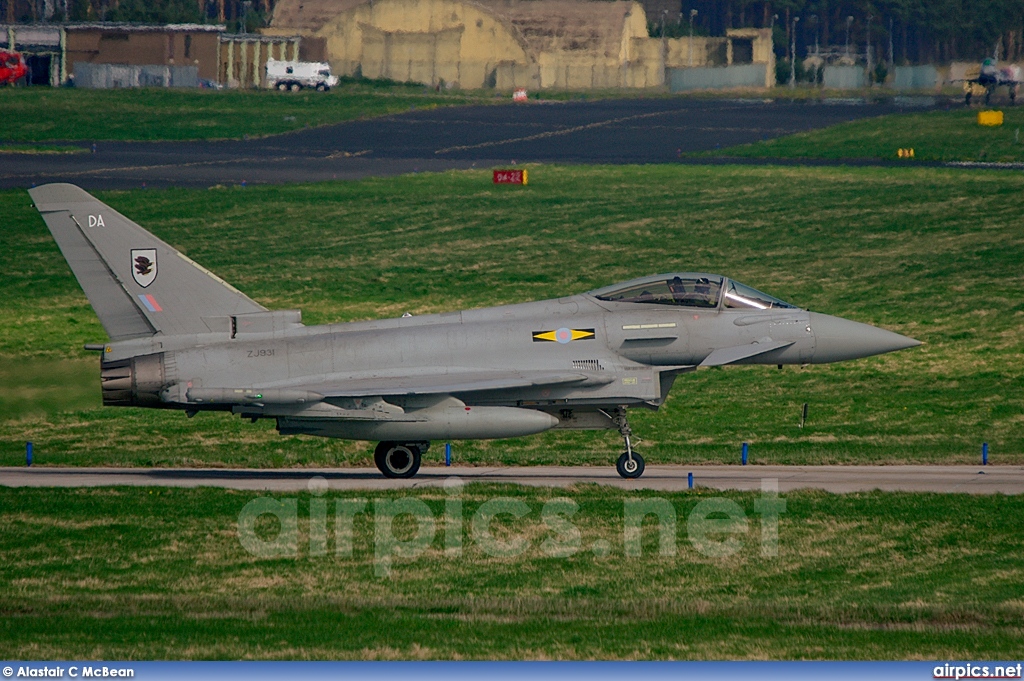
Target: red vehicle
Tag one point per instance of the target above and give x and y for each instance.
(12, 67)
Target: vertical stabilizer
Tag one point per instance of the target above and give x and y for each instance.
(137, 284)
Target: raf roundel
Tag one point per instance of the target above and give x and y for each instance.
(563, 335)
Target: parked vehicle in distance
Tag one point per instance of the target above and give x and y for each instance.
(12, 67)
(295, 75)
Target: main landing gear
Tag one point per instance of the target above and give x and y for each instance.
(630, 465)
(402, 459)
(399, 459)
(988, 96)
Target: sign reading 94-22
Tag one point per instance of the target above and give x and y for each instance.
(509, 177)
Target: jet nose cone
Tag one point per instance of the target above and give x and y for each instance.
(837, 339)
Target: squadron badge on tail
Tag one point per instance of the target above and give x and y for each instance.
(144, 266)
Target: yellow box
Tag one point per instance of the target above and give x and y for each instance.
(990, 118)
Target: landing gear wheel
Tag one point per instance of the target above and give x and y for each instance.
(630, 467)
(397, 460)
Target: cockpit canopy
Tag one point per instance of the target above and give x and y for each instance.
(690, 289)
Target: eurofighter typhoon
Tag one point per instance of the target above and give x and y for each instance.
(182, 338)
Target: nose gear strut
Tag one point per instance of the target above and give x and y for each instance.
(630, 465)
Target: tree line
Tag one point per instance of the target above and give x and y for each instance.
(237, 15)
(907, 31)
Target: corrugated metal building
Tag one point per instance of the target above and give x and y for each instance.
(136, 45)
(132, 55)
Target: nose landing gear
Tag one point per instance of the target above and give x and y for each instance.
(630, 465)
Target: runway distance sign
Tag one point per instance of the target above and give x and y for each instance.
(509, 177)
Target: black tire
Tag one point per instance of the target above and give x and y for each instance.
(630, 469)
(283, 87)
(321, 87)
(967, 99)
(397, 460)
(295, 87)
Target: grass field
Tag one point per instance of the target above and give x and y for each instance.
(148, 114)
(952, 135)
(128, 573)
(934, 254)
(41, 149)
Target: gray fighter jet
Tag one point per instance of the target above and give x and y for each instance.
(182, 338)
(991, 76)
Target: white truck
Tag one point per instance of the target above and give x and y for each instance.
(295, 75)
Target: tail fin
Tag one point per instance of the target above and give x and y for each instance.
(136, 283)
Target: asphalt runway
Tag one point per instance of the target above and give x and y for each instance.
(837, 479)
(610, 131)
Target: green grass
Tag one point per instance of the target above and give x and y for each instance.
(934, 254)
(37, 149)
(128, 573)
(934, 136)
(149, 114)
(124, 573)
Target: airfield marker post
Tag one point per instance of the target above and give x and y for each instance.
(984, 453)
(689, 480)
(447, 453)
(28, 453)
(746, 448)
